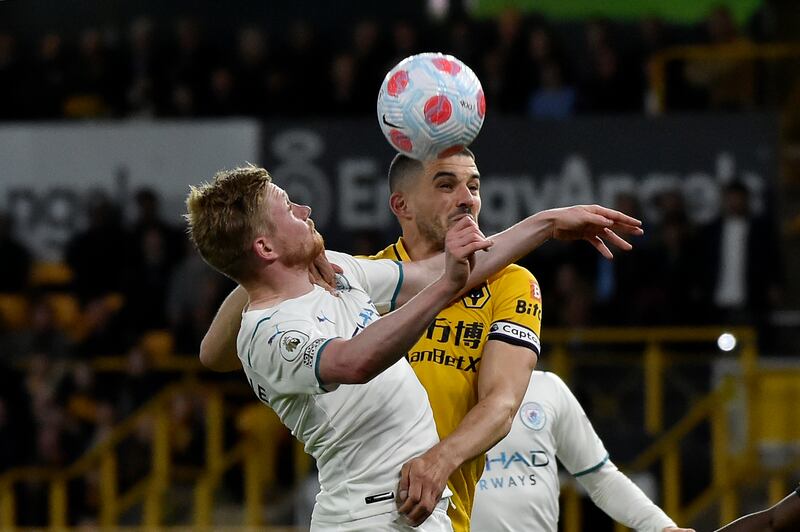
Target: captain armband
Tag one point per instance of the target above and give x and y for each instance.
(515, 334)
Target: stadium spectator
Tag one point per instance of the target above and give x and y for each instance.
(463, 41)
(143, 70)
(49, 78)
(189, 69)
(97, 256)
(43, 335)
(743, 272)
(543, 50)
(87, 403)
(622, 286)
(194, 293)
(138, 383)
(16, 425)
(187, 429)
(154, 253)
(149, 218)
(254, 70)
(405, 41)
(508, 55)
(15, 267)
(673, 285)
(344, 92)
(8, 451)
(304, 65)
(221, 98)
(729, 83)
(610, 88)
(553, 99)
(12, 67)
(93, 86)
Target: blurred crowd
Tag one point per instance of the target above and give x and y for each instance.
(727, 271)
(134, 291)
(526, 64)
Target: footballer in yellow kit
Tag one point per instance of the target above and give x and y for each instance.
(446, 359)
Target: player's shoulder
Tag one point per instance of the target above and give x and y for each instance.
(511, 273)
(354, 267)
(515, 281)
(389, 252)
(334, 256)
(289, 312)
(548, 380)
(547, 388)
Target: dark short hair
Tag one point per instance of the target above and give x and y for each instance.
(403, 166)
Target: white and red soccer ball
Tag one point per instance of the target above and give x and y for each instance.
(430, 106)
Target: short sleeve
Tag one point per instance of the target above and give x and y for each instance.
(286, 355)
(380, 279)
(517, 311)
(578, 446)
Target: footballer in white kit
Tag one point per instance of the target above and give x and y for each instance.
(361, 434)
(519, 488)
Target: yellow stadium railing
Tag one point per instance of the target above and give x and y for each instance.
(739, 51)
(729, 470)
(102, 460)
(710, 409)
(654, 358)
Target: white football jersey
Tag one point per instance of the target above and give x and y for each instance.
(360, 435)
(519, 487)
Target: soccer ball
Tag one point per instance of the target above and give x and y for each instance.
(431, 106)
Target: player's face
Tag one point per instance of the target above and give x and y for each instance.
(446, 190)
(294, 235)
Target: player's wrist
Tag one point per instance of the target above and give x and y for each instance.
(446, 458)
(545, 221)
(446, 288)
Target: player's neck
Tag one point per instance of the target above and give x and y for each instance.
(419, 247)
(276, 284)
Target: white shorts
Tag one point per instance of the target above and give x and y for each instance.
(391, 522)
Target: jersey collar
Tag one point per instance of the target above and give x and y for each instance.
(400, 250)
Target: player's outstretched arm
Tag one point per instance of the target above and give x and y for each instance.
(782, 517)
(593, 223)
(385, 341)
(624, 501)
(582, 452)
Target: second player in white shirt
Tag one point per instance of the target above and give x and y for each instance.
(519, 488)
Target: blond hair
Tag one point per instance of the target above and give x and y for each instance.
(225, 216)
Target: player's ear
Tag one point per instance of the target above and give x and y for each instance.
(399, 206)
(263, 248)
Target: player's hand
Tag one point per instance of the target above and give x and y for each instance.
(463, 239)
(675, 529)
(422, 482)
(595, 224)
(322, 272)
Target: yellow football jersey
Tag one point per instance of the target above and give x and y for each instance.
(446, 359)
